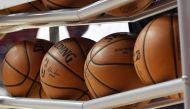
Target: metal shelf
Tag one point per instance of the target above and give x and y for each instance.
(156, 105)
(116, 100)
(78, 16)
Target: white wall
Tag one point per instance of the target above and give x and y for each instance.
(95, 31)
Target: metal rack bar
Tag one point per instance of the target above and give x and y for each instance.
(170, 4)
(120, 99)
(184, 26)
(89, 11)
(64, 15)
(137, 95)
(39, 103)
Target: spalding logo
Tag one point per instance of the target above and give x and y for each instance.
(65, 52)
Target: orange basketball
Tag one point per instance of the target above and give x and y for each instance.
(27, 7)
(4, 11)
(62, 69)
(157, 51)
(66, 4)
(21, 68)
(109, 67)
(131, 9)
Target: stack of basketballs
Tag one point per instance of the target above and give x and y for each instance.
(79, 69)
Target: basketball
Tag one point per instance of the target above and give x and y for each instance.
(157, 51)
(131, 9)
(62, 69)
(109, 67)
(21, 68)
(4, 11)
(28, 7)
(66, 4)
(160, 61)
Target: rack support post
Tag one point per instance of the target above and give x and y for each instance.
(184, 27)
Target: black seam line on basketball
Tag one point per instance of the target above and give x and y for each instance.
(40, 91)
(117, 91)
(150, 2)
(58, 5)
(173, 46)
(110, 64)
(91, 52)
(18, 73)
(11, 85)
(139, 74)
(145, 63)
(79, 46)
(27, 73)
(25, 76)
(66, 67)
(90, 55)
(97, 53)
(29, 90)
(65, 88)
(83, 94)
(33, 6)
(88, 82)
(103, 48)
(29, 65)
(27, 56)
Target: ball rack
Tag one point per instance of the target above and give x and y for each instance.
(78, 17)
(16, 22)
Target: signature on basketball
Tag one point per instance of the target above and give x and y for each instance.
(42, 72)
(137, 55)
(46, 62)
(52, 72)
(65, 52)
